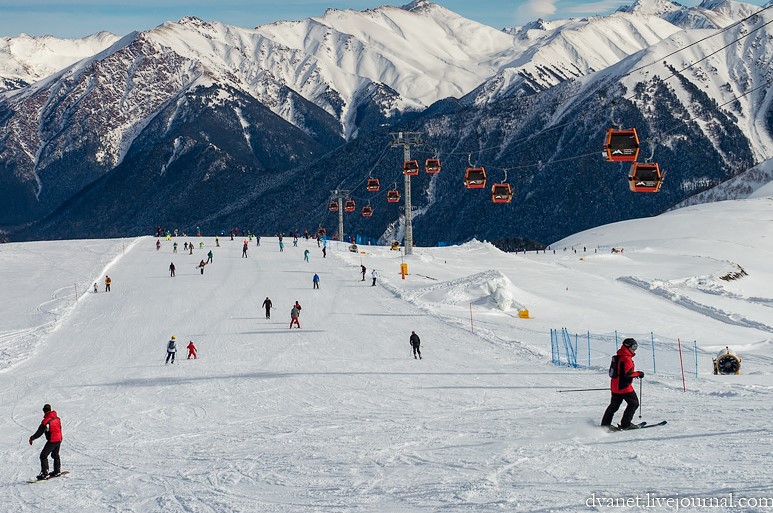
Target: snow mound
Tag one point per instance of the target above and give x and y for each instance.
(490, 289)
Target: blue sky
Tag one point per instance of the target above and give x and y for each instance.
(65, 18)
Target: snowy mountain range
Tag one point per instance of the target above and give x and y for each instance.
(222, 117)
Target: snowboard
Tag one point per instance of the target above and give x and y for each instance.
(62, 473)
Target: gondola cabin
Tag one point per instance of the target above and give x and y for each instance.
(501, 193)
(621, 145)
(349, 206)
(367, 211)
(645, 177)
(475, 178)
(393, 196)
(373, 185)
(411, 167)
(333, 206)
(432, 166)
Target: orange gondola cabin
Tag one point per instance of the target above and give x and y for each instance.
(373, 185)
(393, 196)
(367, 211)
(432, 166)
(349, 206)
(645, 177)
(475, 178)
(333, 206)
(411, 167)
(621, 145)
(501, 193)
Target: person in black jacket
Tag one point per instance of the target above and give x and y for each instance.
(267, 305)
(415, 342)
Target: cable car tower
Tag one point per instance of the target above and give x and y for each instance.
(338, 196)
(406, 140)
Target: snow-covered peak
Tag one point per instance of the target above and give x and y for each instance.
(25, 59)
(652, 7)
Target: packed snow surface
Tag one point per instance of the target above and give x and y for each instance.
(339, 417)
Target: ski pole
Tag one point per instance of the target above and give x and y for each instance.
(583, 389)
(641, 382)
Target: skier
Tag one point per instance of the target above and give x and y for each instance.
(51, 427)
(294, 314)
(315, 281)
(362, 270)
(267, 305)
(209, 257)
(324, 252)
(201, 245)
(415, 343)
(622, 372)
(190, 248)
(171, 349)
(95, 287)
(108, 282)
(306, 255)
(158, 245)
(281, 246)
(217, 241)
(257, 240)
(298, 306)
(174, 248)
(171, 269)
(373, 275)
(185, 246)
(244, 249)
(191, 350)
(201, 266)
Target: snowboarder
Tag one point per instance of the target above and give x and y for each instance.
(306, 255)
(209, 257)
(171, 349)
(171, 269)
(244, 249)
(217, 241)
(415, 343)
(257, 240)
(295, 241)
(95, 287)
(294, 314)
(622, 372)
(108, 282)
(190, 248)
(174, 248)
(185, 246)
(191, 350)
(362, 270)
(267, 305)
(51, 427)
(201, 266)
(324, 252)
(281, 246)
(373, 275)
(201, 245)
(158, 245)
(298, 306)
(315, 281)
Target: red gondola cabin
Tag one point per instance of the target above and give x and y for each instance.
(333, 206)
(393, 196)
(645, 177)
(432, 166)
(367, 211)
(501, 193)
(349, 206)
(411, 167)
(621, 145)
(373, 185)
(475, 178)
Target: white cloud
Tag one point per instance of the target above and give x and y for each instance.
(533, 9)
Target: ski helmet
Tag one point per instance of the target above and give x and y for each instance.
(631, 344)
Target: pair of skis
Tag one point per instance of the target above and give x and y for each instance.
(640, 425)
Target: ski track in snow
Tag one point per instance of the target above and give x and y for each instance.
(337, 416)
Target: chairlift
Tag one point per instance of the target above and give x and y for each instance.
(475, 178)
(645, 177)
(393, 196)
(621, 145)
(349, 205)
(373, 185)
(432, 166)
(333, 206)
(367, 211)
(411, 167)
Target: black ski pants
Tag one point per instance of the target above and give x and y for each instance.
(416, 350)
(632, 404)
(268, 312)
(51, 448)
(170, 354)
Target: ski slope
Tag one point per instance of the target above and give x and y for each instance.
(338, 417)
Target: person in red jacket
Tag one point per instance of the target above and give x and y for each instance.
(192, 351)
(623, 373)
(51, 426)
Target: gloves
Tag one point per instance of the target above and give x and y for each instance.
(641, 374)
(30, 441)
